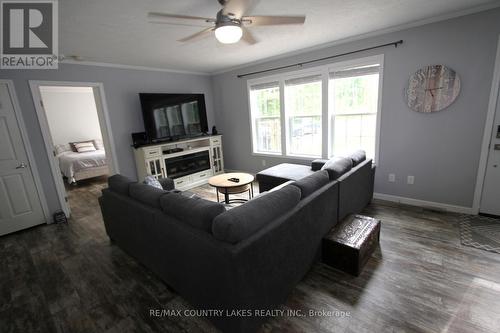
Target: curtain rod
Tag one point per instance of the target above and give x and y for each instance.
(300, 64)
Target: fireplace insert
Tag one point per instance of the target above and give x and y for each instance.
(184, 165)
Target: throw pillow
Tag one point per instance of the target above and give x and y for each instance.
(152, 181)
(98, 144)
(83, 147)
(62, 148)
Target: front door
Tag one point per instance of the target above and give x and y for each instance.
(20, 205)
(490, 200)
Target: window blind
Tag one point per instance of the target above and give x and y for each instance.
(357, 71)
(303, 80)
(267, 85)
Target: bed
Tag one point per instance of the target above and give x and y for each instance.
(77, 166)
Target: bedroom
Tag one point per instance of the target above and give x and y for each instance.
(73, 124)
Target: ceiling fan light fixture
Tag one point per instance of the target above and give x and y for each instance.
(228, 34)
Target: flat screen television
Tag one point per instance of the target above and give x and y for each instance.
(173, 116)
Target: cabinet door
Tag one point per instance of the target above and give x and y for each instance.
(218, 166)
(154, 167)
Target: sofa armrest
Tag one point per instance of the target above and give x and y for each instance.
(317, 164)
(167, 184)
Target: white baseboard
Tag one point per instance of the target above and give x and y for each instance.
(423, 203)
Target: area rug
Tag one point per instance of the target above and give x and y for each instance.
(480, 232)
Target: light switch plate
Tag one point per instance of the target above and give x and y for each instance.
(392, 177)
(411, 180)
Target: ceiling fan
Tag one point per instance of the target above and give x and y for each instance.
(230, 24)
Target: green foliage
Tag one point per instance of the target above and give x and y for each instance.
(304, 99)
(356, 94)
(268, 102)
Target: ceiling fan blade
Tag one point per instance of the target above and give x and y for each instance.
(197, 36)
(156, 15)
(272, 20)
(238, 7)
(187, 24)
(248, 37)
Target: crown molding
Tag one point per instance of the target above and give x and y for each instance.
(401, 27)
(131, 67)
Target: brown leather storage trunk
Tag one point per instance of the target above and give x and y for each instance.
(349, 245)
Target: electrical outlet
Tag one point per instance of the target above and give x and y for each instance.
(410, 180)
(392, 177)
(264, 162)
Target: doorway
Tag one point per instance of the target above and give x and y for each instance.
(75, 126)
(490, 198)
(487, 191)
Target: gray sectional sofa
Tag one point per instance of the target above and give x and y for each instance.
(246, 258)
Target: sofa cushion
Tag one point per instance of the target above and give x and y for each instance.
(357, 157)
(312, 183)
(337, 166)
(241, 222)
(148, 195)
(317, 164)
(193, 210)
(119, 184)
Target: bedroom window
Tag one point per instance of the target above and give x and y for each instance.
(318, 112)
(266, 118)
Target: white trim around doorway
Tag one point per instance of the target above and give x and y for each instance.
(104, 123)
(488, 130)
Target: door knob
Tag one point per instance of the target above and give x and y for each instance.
(22, 166)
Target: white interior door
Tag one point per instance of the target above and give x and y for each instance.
(20, 206)
(490, 199)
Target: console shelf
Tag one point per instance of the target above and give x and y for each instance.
(189, 163)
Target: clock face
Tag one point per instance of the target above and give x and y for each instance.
(432, 88)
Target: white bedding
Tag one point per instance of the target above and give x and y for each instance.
(71, 162)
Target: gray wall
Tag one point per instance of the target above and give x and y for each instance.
(441, 150)
(121, 87)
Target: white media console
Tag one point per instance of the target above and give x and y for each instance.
(189, 163)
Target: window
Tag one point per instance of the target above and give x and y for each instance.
(266, 118)
(353, 98)
(290, 112)
(303, 111)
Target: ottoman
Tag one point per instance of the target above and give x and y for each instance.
(281, 173)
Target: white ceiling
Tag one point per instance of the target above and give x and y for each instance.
(118, 32)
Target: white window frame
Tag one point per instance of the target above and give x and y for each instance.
(251, 119)
(326, 112)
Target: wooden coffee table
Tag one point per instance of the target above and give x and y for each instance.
(223, 185)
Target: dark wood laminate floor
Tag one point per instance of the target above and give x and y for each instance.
(69, 278)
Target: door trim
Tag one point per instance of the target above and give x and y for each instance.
(488, 131)
(27, 148)
(104, 124)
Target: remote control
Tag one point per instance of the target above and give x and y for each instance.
(234, 180)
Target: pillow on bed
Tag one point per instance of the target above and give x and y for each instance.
(84, 147)
(73, 147)
(98, 144)
(62, 148)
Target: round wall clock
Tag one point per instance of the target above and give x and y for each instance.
(432, 88)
